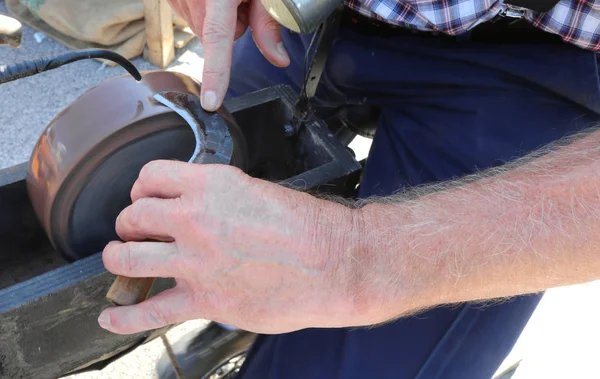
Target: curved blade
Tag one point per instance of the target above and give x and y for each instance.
(213, 140)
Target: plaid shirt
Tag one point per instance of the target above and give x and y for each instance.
(576, 21)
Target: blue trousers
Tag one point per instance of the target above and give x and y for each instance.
(447, 109)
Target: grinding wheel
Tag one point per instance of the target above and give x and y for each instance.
(85, 162)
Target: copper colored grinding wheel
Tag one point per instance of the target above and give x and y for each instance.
(85, 162)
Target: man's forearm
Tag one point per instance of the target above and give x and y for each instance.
(523, 228)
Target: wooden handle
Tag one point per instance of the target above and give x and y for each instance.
(11, 31)
(129, 291)
(159, 33)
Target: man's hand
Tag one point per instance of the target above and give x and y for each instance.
(243, 251)
(269, 259)
(217, 23)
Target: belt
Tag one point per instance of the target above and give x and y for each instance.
(499, 30)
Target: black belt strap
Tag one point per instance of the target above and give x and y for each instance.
(324, 40)
(316, 66)
(534, 5)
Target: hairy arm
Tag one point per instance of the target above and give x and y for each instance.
(269, 259)
(531, 225)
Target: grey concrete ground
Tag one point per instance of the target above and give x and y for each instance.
(561, 340)
(27, 105)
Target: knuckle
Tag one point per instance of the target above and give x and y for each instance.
(236, 176)
(193, 174)
(225, 172)
(215, 32)
(146, 170)
(110, 257)
(130, 219)
(137, 211)
(236, 172)
(215, 73)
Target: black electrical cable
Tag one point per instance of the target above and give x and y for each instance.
(20, 70)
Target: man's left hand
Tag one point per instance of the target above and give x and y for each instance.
(244, 252)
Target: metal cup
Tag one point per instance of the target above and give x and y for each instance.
(300, 16)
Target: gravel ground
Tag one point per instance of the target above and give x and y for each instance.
(560, 341)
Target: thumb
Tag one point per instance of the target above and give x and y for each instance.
(171, 306)
(266, 32)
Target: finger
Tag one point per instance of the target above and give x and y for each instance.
(242, 20)
(147, 219)
(142, 259)
(217, 38)
(183, 10)
(266, 32)
(177, 7)
(196, 11)
(161, 179)
(166, 308)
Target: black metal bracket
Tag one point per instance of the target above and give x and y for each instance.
(325, 36)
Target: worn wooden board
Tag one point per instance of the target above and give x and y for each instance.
(182, 36)
(159, 33)
(48, 306)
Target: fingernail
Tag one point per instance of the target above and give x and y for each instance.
(282, 52)
(104, 321)
(209, 100)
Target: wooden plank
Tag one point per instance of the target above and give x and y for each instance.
(48, 306)
(182, 37)
(49, 327)
(159, 33)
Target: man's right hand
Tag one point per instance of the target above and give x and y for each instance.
(218, 23)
